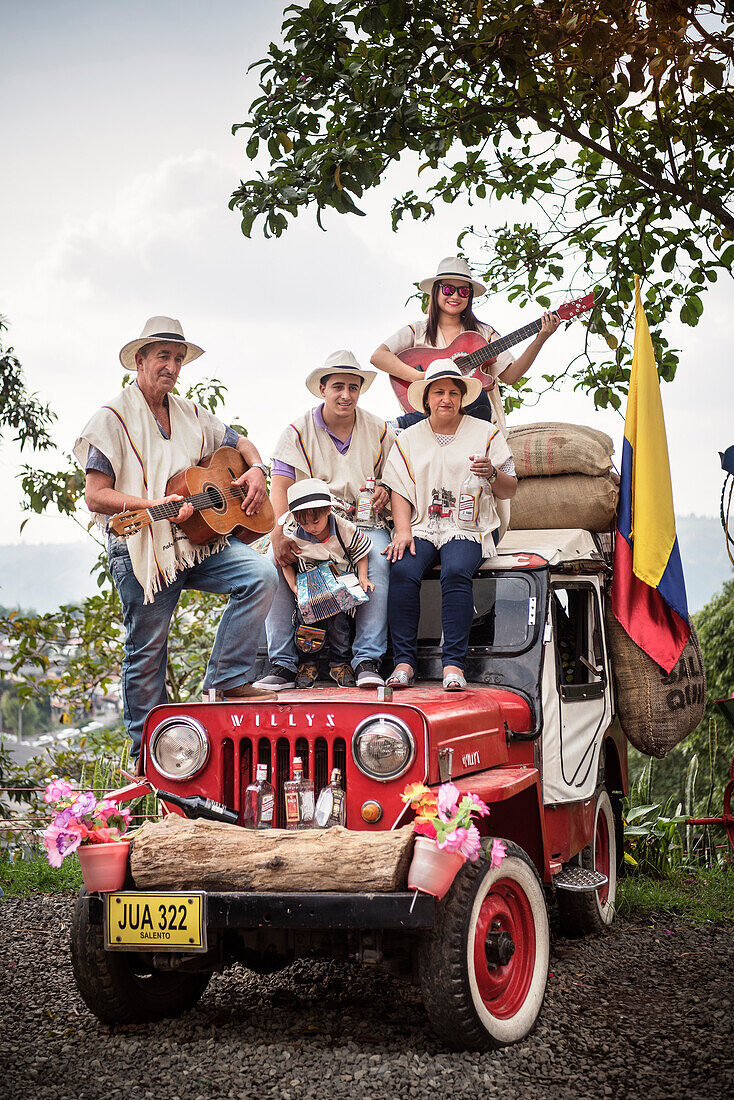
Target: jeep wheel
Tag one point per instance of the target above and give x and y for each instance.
(592, 911)
(121, 987)
(484, 967)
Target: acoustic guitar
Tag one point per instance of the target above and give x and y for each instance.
(470, 351)
(216, 501)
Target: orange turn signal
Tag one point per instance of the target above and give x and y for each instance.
(371, 812)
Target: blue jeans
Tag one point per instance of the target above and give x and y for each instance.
(237, 571)
(460, 559)
(370, 639)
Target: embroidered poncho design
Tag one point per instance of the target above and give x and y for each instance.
(430, 476)
(125, 430)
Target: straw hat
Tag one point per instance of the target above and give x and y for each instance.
(443, 368)
(164, 329)
(453, 267)
(339, 362)
(312, 492)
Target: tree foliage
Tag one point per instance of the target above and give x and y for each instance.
(612, 122)
(21, 411)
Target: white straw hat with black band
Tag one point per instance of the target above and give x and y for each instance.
(312, 492)
(159, 329)
(339, 362)
(443, 368)
(453, 267)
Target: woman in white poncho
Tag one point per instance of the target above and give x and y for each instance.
(425, 471)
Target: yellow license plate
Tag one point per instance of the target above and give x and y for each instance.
(155, 921)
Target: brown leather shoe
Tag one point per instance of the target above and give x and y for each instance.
(247, 691)
(308, 674)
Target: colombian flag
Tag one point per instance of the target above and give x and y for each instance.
(648, 590)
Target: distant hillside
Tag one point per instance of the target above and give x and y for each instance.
(44, 577)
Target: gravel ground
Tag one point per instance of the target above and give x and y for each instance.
(645, 1011)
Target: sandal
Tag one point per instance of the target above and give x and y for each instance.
(454, 681)
(400, 679)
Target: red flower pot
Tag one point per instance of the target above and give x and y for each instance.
(104, 865)
(433, 869)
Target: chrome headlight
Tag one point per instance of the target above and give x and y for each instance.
(179, 747)
(383, 747)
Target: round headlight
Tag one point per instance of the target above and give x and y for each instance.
(179, 747)
(383, 747)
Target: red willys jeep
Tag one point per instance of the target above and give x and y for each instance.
(534, 736)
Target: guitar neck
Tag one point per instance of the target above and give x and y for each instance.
(199, 501)
(502, 343)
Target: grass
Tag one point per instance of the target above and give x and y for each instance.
(700, 896)
(35, 875)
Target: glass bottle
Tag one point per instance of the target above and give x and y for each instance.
(474, 503)
(259, 801)
(365, 516)
(197, 806)
(298, 792)
(331, 807)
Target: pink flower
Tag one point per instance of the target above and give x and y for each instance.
(497, 853)
(453, 841)
(471, 845)
(448, 796)
(478, 806)
(57, 790)
(59, 842)
(84, 803)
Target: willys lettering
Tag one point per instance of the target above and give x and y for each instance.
(276, 721)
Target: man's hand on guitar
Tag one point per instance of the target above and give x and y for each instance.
(185, 512)
(253, 482)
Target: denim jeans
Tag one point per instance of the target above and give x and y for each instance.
(460, 559)
(237, 571)
(370, 639)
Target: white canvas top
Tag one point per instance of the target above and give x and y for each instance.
(554, 546)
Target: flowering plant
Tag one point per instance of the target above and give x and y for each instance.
(80, 818)
(446, 817)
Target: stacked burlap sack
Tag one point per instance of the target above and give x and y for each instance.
(565, 477)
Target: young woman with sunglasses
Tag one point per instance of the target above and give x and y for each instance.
(450, 312)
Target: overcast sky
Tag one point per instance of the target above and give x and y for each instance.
(118, 166)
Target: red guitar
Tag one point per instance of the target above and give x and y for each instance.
(470, 351)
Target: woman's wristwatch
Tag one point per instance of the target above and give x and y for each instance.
(493, 476)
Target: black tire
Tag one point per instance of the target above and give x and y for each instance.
(473, 1004)
(121, 987)
(590, 912)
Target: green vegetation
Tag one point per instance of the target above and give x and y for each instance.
(698, 896)
(34, 875)
(611, 122)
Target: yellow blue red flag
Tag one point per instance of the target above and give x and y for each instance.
(648, 589)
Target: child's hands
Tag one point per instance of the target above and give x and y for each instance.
(367, 585)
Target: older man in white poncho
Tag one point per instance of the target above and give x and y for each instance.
(130, 449)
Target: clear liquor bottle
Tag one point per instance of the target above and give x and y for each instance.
(259, 801)
(299, 807)
(331, 807)
(365, 515)
(474, 499)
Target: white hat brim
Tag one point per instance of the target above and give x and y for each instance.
(313, 382)
(418, 388)
(128, 353)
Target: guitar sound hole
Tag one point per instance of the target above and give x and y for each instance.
(217, 501)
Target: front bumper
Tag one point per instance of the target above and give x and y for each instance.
(231, 911)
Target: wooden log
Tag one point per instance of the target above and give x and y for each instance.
(178, 854)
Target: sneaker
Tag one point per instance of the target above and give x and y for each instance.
(308, 674)
(279, 678)
(368, 675)
(342, 675)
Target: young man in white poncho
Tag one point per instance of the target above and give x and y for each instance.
(130, 449)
